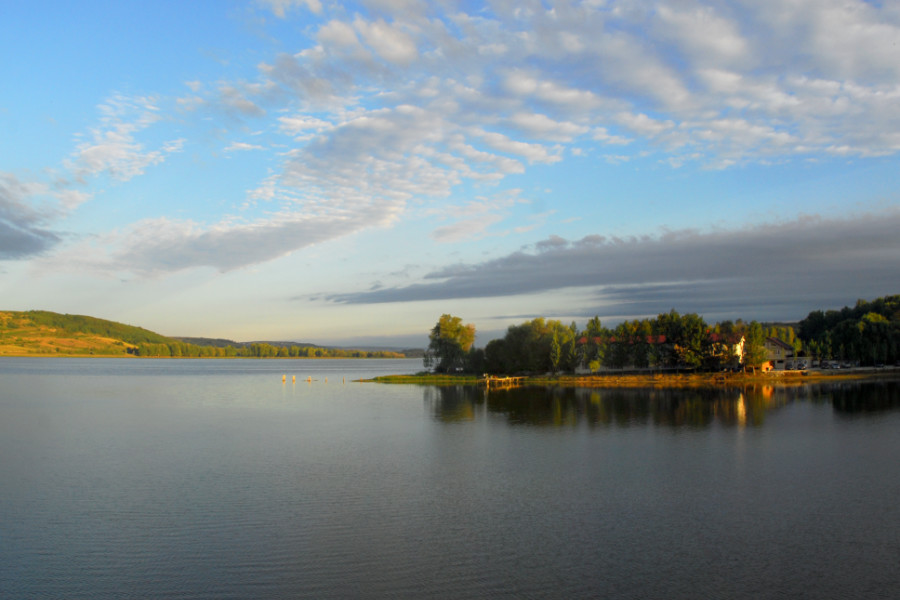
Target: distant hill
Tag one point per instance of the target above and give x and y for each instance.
(39, 332)
(223, 343)
(45, 333)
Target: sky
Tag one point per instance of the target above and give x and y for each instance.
(345, 173)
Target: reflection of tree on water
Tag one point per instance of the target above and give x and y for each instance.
(624, 407)
(453, 403)
(850, 398)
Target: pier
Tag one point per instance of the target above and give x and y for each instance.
(501, 381)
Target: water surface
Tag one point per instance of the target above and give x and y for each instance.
(214, 479)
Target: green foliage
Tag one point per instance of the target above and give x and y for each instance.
(174, 348)
(475, 361)
(754, 345)
(92, 325)
(687, 338)
(671, 341)
(868, 332)
(449, 341)
(149, 344)
(555, 352)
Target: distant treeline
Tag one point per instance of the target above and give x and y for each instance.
(669, 341)
(255, 350)
(868, 333)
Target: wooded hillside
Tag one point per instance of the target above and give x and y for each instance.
(39, 332)
(44, 333)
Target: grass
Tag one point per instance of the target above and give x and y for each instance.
(21, 336)
(648, 379)
(427, 378)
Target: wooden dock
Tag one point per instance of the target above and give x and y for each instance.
(501, 381)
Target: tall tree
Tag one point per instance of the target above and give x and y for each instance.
(555, 352)
(754, 345)
(449, 341)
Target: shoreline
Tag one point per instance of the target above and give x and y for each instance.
(133, 357)
(674, 380)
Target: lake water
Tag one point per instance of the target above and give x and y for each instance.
(210, 479)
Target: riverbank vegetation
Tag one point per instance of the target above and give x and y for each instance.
(866, 335)
(621, 379)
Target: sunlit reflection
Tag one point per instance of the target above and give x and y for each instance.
(626, 407)
(741, 410)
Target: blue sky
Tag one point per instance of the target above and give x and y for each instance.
(347, 172)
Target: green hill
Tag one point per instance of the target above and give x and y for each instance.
(39, 332)
(44, 333)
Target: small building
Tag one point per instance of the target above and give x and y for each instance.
(778, 354)
(730, 347)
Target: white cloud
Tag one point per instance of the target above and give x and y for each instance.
(159, 246)
(534, 153)
(468, 229)
(472, 220)
(391, 106)
(235, 101)
(601, 134)
(113, 149)
(643, 125)
(281, 7)
(541, 126)
(340, 38)
(669, 72)
(302, 126)
(242, 147)
(703, 34)
(389, 41)
(555, 94)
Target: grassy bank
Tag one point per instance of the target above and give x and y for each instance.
(427, 378)
(653, 379)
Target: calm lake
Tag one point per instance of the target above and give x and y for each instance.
(211, 479)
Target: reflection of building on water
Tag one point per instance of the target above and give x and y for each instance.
(741, 410)
(626, 407)
(501, 382)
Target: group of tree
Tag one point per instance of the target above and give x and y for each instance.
(449, 345)
(669, 341)
(868, 333)
(254, 350)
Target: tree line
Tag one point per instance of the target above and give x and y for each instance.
(255, 350)
(868, 334)
(670, 341)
